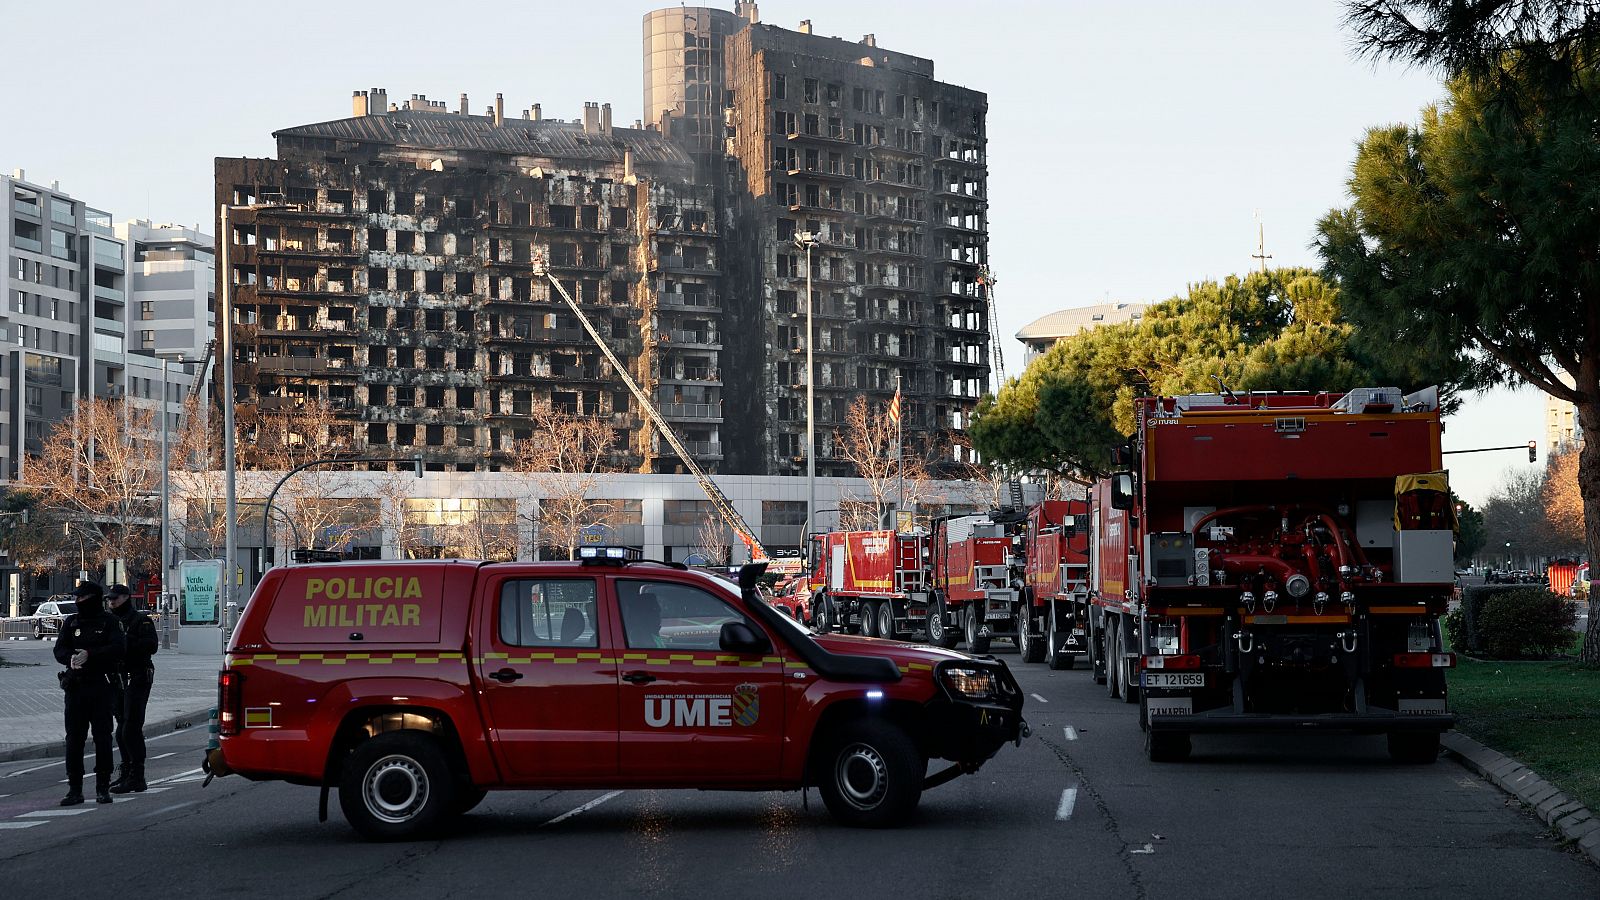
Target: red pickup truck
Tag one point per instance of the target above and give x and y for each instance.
(415, 687)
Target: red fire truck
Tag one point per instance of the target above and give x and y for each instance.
(868, 582)
(972, 593)
(1055, 583)
(1277, 562)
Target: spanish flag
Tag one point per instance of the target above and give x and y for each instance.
(894, 407)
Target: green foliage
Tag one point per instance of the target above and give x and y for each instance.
(1473, 599)
(1455, 628)
(1528, 623)
(1471, 534)
(1283, 329)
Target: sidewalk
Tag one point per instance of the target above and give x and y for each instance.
(31, 700)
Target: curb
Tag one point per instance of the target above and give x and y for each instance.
(1566, 815)
(58, 748)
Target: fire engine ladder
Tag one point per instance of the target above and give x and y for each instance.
(719, 501)
(205, 365)
(987, 279)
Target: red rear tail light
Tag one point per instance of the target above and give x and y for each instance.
(1190, 661)
(230, 689)
(1424, 660)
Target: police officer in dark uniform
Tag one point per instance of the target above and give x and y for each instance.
(138, 673)
(90, 645)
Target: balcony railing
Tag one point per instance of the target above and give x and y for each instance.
(692, 410)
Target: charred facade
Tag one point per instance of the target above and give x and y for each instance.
(886, 167)
(386, 271)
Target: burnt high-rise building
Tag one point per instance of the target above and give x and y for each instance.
(881, 169)
(382, 267)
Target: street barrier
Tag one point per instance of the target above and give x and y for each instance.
(16, 629)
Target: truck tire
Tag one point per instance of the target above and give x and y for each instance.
(869, 618)
(873, 773)
(940, 634)
(1032, 646)
(1112, 649)
(1414, 747)
(397, 786)
(822, 614)
(1167, 746)
(1097, 666)
(467, 799)
(976, 641)
(886, 620)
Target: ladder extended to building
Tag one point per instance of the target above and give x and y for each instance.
(719, 501)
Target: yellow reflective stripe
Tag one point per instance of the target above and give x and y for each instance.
(380, 660)
(241, 662)
(923, 667)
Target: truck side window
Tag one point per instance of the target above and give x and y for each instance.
(547, 612)
(673, 616)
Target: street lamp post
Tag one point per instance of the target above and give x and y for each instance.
(808, 241)
(166, 467)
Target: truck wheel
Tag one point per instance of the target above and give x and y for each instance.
(940, 634)
(1167, 746)
(1113, 654)
(976, 643)
(1127, 678)
(822, 614)
(1031, 646)
(886, 620)
(869, 618)
(874, 774)
(397, 786)
(467, 799)
(1097, 666)
(1414, 747)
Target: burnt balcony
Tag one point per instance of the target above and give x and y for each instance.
(839, 137)
(821, 174)
(682, 265)
(694, 412)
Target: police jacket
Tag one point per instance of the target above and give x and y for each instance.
(101, 635)
(141, 634)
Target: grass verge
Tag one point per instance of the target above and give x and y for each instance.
(1545, 714)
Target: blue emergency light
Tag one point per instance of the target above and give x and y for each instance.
(608, 555)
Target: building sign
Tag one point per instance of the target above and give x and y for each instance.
(200, 583)
(594, 535)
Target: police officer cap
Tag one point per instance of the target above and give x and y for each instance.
(118, 590)
(88, 589)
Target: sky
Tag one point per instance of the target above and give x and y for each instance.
(1133, 147)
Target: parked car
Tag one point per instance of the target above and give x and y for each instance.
(48, 617)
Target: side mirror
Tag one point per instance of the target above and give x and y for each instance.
(737, 637)
(1122, 490)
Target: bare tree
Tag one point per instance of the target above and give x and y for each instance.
(560, 465)
(196, 475)
(323, 508)
(870, 442)
(711, 541)
(98, 473)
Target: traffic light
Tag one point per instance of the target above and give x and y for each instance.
(1533, 451)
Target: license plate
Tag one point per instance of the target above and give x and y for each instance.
(1174, 679)
(1001, 613)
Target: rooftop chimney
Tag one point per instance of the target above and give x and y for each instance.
(465, 110)
(537, 113)
(746, 9)
(377, 101)
(499, 110)
(805, 26)
(19, 175)
(591, 117)
(605, 118)
(871, 40)
(358, 103)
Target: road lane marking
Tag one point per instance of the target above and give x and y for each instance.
(165, 755)
(167, 809)
(1071, 733)
(1039, 698)
(55, 813)
(180, 777)
(1069, 799)
(53, 762)
(162, 737)
(13, 825)
(584, 808)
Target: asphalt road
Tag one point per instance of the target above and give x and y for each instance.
(1074, 812)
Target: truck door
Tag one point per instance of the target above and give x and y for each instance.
(689, 709)
(549, 677)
